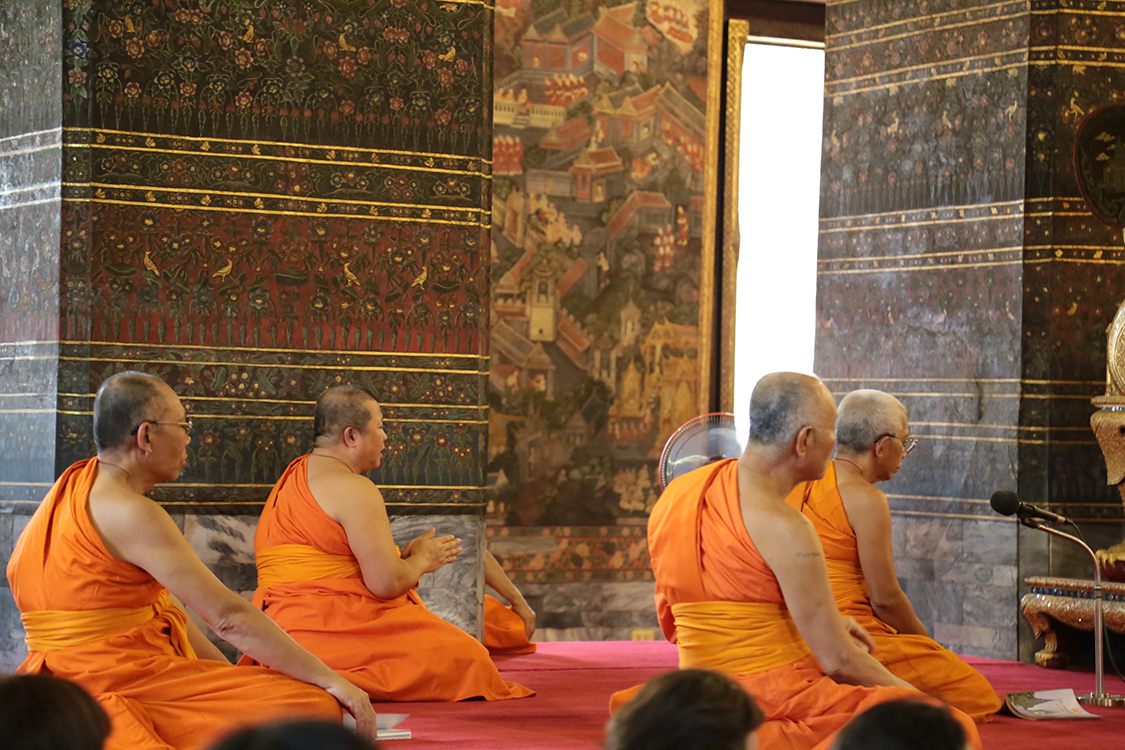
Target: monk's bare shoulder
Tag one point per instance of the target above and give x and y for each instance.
(343, 494)
(864, 502)
(781, 530)
(121, 515)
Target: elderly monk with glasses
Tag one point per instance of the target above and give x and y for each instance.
(93, 576)
(853, 520)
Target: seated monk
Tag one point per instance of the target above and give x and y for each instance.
(853, 519)
(91, 575)
(741, 584)
(330, 575)
(507, 628)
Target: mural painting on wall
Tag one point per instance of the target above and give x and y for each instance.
(597, 242)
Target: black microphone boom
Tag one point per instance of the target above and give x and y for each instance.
(1007, 503)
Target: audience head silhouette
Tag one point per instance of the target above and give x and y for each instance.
(689, 709)
(902, 725)
(47, 713)
(297, 735)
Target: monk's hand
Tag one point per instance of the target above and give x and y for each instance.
(408, 548)
(435, 550)
(527, 614)
(357, 703)
(859, 634)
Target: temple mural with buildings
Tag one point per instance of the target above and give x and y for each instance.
(598, 163)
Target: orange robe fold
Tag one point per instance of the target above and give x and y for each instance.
(718, 600)
(504, 633)
(310, 584)
(108, 626)
(915, 658)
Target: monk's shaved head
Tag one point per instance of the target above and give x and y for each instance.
(784, 402)
(123, 402)
(866, 415)
(338, 408)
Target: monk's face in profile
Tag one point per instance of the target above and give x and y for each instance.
(169, 434)
(372, 440)
(893, 449)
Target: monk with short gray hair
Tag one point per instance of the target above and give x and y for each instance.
(330, 574)
(93, 575)
(852, 517)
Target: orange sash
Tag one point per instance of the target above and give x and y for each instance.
(737, 637)
(54, 630)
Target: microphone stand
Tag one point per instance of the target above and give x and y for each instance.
(1098, 697)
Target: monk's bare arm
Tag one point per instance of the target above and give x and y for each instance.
(357, 505)
(199, 641)
(870, 517)
(136, 530)
(495, 577)
(789, 545)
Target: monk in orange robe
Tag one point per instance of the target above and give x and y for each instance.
(330, 575)
(91, 575)
(853, 519)
(507, 628)
(741, 584)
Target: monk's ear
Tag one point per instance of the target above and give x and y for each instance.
(348, 436)
(804, 437)
(143, 437)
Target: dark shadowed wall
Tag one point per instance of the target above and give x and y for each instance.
(960, 271)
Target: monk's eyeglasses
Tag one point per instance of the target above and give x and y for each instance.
(185, 426)
(907, 445)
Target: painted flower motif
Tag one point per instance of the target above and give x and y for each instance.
(187, 89)
(396, 103)
(294, 66)
(441, 441)
(445, 77)
(135, 47)
(244, 58)
(429, 59)
(155, 39)
(363, 54)
(259, 299)
(347, 107)
(208, 441)
(76, 77)
(261, 48)
(347, 67)
(329, 50)
(244, 99)
(461, 66)
(417, 436)
(462, 452)
(132, 89)
(225, 39)
(116, 29)
(79, 49)
(442, 116)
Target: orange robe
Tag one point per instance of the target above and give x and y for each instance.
(504, 632)
(310, 584)
(915, 658)
(107, 625)
(718, 600)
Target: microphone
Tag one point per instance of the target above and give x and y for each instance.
(1007, 503)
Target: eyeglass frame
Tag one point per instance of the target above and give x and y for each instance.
(186, 426)
(907, 445)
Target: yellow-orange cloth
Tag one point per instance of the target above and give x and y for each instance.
(107, 625)
(504, 632)
(915, 658)
(395, 649)
(706, 565)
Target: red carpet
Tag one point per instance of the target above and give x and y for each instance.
(574, 682)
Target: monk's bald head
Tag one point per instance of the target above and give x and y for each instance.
(784, 402)
(338, 408)
(866, 415)
(123, 402)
